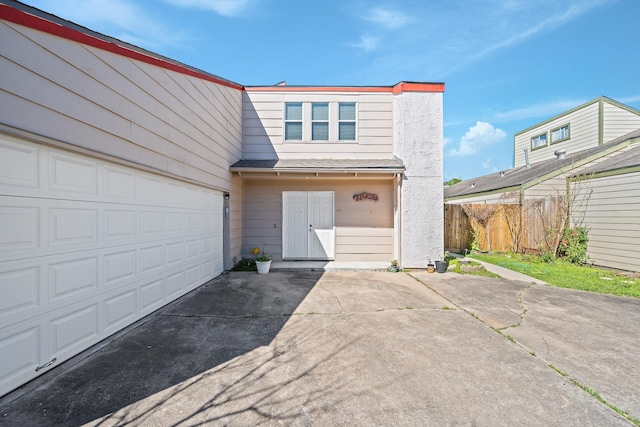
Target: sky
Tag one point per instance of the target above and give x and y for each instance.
(506, 64)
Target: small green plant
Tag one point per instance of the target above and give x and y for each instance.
(245, 264)
(263, 257)
(474, 245)
(394, 262)
(573, 245)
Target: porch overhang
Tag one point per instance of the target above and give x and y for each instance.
(318, 168)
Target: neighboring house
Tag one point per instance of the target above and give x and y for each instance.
(128, 179)
(559, 148)
(612, 209)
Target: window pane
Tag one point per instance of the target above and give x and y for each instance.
(293, 111)
(347, 111)
(293, 130)
(320, 111)
(347, 131)
(540, 140)
(320, 131)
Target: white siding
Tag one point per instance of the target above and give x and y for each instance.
(263, 126)
(583, 126)
(611, 211)
(618, 121)
(114, 105)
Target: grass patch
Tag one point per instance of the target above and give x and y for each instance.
(456, 267)
(565, 275)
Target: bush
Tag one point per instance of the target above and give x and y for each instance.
(573, 245)
(245, 264)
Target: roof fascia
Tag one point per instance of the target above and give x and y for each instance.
(483, 193)
(612, 172)
(401, 87)
(586, 104)
(72, 32)
(575, 164)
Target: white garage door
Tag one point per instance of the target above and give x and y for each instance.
(87, 247)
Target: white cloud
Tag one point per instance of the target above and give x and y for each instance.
(366, 43)
(387, 18)
(478, 137)
(546, 109)
(222, 7)
(447, 141)
(629, 99)
(486, 164)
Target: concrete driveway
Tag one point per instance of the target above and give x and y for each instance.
(355, 348)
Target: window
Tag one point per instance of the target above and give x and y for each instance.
(347, 121)
(320, 121)
(539, 141)
(293, 121)
(559, 134)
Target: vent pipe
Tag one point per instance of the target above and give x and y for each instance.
(526, 158)
(501, 174)
(560, 154)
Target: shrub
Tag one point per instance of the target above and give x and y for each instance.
(245, 264)
(573, 245)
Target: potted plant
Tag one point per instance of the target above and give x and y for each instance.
(443, 265)
(394, 268)
(263, 261)
(431, 268)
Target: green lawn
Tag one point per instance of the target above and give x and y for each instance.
(565, 275)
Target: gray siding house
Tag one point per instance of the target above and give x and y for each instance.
(128, 179)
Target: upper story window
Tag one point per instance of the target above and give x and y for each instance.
(347, 121)
(539, 141)
(559, 134)
(320, 121)
(293, 121)
(329, 122)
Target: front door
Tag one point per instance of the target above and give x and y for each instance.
(308, 231)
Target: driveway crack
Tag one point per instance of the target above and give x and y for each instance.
(523, 306)
(333, 295)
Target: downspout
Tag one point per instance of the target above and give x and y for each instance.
(398, 223)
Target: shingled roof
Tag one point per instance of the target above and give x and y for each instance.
(319, 165)
(548, 168)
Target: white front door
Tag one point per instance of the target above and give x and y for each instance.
(308, 231)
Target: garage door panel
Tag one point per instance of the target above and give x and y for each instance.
(20, 355)
(87, 247)
(72, 173)
(20, 291)
(19, 227)
(74, 331)
(18, 164)
(120, 310)
(73, 279)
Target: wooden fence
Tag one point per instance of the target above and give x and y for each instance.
(500, 227)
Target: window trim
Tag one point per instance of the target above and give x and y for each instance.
(327, 121)
(354, 121)
(546, 141)
(301, 121)
(551, 141)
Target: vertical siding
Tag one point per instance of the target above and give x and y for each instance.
(263, 127)
(117, 106)
(583, 127)
(610, 208)
(618, 121)
(364, 230)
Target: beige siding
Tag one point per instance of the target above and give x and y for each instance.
(611, 211)
(364, 229)
(618, 121)
(263, 126)
(117, 106)
(583, 125)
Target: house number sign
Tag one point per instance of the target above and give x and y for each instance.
(365, 196)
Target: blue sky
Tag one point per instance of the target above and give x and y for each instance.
(507, 64)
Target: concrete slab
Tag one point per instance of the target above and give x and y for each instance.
(591, 337)
(312, 348)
